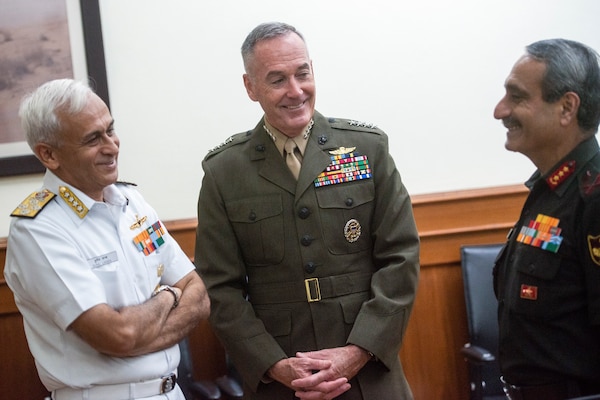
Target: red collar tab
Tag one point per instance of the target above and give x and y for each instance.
(561, 173)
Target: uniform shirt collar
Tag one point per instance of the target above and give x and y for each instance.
(111, 194)
(279, 138)
(571, 164)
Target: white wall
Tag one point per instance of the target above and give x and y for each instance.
(428, 72)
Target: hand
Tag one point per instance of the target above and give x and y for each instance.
(331, 382)
(294, 368)
(289, 369)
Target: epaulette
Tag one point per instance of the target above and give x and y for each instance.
(353, 125)
(589, 183)
(236, 139)
(33, 204)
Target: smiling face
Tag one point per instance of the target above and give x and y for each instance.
(88, 149)
(533, 124)
(280, 78)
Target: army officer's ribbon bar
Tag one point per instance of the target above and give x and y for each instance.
(543, 232)
(346, 167)
(150, 239)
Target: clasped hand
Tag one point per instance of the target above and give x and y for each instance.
(322, 374)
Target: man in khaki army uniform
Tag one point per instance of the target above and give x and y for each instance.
(312, 267)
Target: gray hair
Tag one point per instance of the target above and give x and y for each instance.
(39, 109)
(262, 32)
(570, 67)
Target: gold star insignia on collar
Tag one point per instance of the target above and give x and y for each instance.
(561, 174)
(73, 201)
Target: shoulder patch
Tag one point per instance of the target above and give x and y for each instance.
(230, 141)
(594, 247)
(350, 124)
(33, 204)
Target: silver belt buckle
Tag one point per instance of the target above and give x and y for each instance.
(168, 383)
(312, 284)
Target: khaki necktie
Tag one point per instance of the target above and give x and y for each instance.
(290, 157)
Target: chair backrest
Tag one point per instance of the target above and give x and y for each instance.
(193, 389)
(482, 316)
(186, 369)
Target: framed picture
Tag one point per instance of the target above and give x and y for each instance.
(41, 40)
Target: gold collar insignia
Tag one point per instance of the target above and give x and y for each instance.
(73, 201)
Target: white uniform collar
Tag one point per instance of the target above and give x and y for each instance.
(77, 201)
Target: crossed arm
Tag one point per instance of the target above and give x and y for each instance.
(148, 327)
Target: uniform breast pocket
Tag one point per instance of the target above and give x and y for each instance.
(346, 211)
(258, 226)
(537, 290)
(115, 283)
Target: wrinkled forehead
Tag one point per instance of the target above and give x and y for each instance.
(526, 74)
(281, 51)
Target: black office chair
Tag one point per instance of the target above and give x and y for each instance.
(231, 383)
(192, 389)
(484, 372)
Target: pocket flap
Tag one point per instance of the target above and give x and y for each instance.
(254, 209)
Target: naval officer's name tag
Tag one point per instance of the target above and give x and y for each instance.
(104, 259)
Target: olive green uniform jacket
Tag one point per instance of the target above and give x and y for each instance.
(265, 240)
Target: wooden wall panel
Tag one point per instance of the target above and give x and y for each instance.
(437, 329)
(438, 326)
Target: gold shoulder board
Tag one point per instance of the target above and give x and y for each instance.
(33, 204)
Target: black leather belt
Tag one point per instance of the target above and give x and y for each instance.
(311, 289)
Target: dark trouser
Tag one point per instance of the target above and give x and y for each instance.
(555, 391)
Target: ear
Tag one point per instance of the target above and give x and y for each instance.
(47, 156)
(569, 106)
(249, 87)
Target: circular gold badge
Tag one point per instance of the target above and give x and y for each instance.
(352, 230)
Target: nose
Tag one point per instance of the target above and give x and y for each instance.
(111, 143)
(294, 88)
(501, 110)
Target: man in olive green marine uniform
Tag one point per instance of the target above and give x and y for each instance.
(312, 279)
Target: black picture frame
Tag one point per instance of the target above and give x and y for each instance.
(96, 71)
